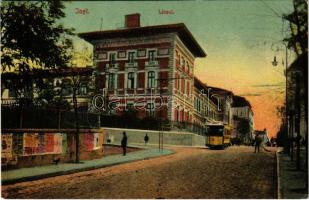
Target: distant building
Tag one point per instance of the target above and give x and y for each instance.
(241, 109)
(205, 110)
(223, 100)
(58, 79)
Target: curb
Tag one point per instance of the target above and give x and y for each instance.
(279, 196)
(60, 173)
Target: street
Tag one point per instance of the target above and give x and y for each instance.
(235, 172)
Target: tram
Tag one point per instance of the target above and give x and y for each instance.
(218, 136)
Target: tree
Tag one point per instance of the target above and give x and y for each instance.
(32, 38)
(298, 21)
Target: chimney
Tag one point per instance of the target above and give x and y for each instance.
(132, 20)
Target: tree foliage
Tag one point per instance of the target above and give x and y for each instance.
(33, 37)
(298, 20)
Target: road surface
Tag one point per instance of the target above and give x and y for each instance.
(235, 172)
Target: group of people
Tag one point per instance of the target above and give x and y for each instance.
(124, 142)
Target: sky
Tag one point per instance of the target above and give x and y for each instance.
(240, 38)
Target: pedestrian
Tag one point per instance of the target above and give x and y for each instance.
(258, 141)
(124, 142)
(146, 139)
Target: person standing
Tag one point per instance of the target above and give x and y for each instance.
(146, 139)
(258, 141)
(124, 143)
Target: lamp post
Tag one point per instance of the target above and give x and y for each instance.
(160, 122)
(275, 63)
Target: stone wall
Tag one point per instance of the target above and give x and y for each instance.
(136, 136)
(35, 147)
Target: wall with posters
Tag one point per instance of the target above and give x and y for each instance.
(32, 147)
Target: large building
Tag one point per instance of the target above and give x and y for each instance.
(242, 113)
(150, 68)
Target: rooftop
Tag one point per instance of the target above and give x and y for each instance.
(179, 28)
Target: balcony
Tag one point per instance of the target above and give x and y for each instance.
(112, 65)
(131, 65)
(153, 63)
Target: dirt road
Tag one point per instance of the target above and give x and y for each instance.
(236, 172)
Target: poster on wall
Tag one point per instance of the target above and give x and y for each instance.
(31, 143)
(49, 142)
(6, 148)
(89, 141)
(18, 143)
(41, 147)
(57, 143)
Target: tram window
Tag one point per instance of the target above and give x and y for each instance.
(215, 130)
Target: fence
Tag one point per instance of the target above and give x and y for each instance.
(37, 117)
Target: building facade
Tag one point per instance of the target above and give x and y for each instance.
(244, 112)
(150, 68)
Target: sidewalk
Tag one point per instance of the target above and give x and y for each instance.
(292, 181)
(33, 173)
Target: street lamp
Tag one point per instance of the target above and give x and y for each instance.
(161, 128)
(275, 63)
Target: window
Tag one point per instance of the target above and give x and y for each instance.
(83, 89)
(182, 62)
(151, 79)
(121, 54)
(131, 80)
(141, 53)
(130, 106)
(150, 109)
(111, 81)
(151, 55)
(112, 58)
(131, 57)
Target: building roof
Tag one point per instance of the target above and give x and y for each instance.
(180, 28)
(220, 91)
(239, 101)
(199, 84)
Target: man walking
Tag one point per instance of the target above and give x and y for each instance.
(124, 142)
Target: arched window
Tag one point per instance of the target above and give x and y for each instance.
(151, 79)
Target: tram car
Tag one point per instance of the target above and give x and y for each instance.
(218, 136)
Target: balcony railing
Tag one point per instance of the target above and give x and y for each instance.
(153, 63)
(133, 64)
(112, 65)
